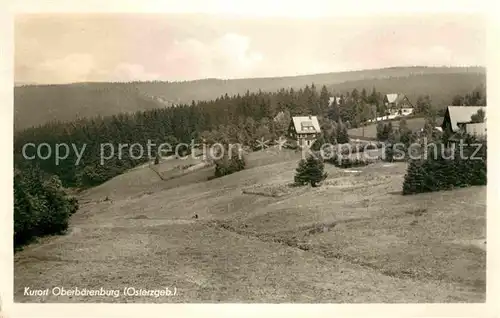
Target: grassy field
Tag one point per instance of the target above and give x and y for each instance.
(370, 131)
(354, 239)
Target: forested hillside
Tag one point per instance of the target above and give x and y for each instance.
(35, 105)
(441, 88)
(87, 152)
(185, 92)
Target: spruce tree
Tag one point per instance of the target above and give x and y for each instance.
(342, 134)
(310, 170)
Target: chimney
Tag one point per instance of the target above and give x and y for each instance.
(310, 117)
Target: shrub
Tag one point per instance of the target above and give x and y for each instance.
(229, 163)
(360, 147)
(95, 174)
(291, 145)
(41, 206)
(478, 117)
(347, 162)
(371, 146)
(73, 202)
(320, 141)
(310, 170)
(395, 152)
(383, 131)
(352, 163)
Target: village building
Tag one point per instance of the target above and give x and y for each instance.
(304, 130)
(457, 119)
(398, 104)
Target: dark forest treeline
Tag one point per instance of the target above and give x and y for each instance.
(81, 100)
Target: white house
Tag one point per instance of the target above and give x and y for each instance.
(398, 104)
(304, 130)
(458, 119)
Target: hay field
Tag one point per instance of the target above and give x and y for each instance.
(355, 239)
(370, 131)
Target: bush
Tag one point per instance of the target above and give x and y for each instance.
(73, 202)
(441, 173)
(383, 131)
(395, 152)
(310, 170)
(320, 141)
(347, 162)
(291, 145)
(95, 174)
(361, 147)
(352, 163)
(41, 206)
(230, 163)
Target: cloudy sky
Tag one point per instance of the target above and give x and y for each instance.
(121, 47)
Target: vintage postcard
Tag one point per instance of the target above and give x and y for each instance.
(221, 157)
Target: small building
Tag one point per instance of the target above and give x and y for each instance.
(398, 104)
(304, 130)
(457, 121)
(476, 129)
(458, 118)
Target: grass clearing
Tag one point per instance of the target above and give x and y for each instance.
(354, 239)
(370, 131)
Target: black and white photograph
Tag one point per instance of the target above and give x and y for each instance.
(176, 157)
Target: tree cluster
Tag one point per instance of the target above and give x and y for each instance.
(475, 98)
(41, 206)
(232, 161)
(478, 117)
(442, 171)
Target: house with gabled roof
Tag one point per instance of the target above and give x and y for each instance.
(459, 119)
(398, 104)
(304, 130)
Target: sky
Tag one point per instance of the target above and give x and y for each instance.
(64, 48)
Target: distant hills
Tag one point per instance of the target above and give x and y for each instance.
(38, 104)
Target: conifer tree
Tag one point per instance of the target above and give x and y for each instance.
(310, 170)
(342, 134)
